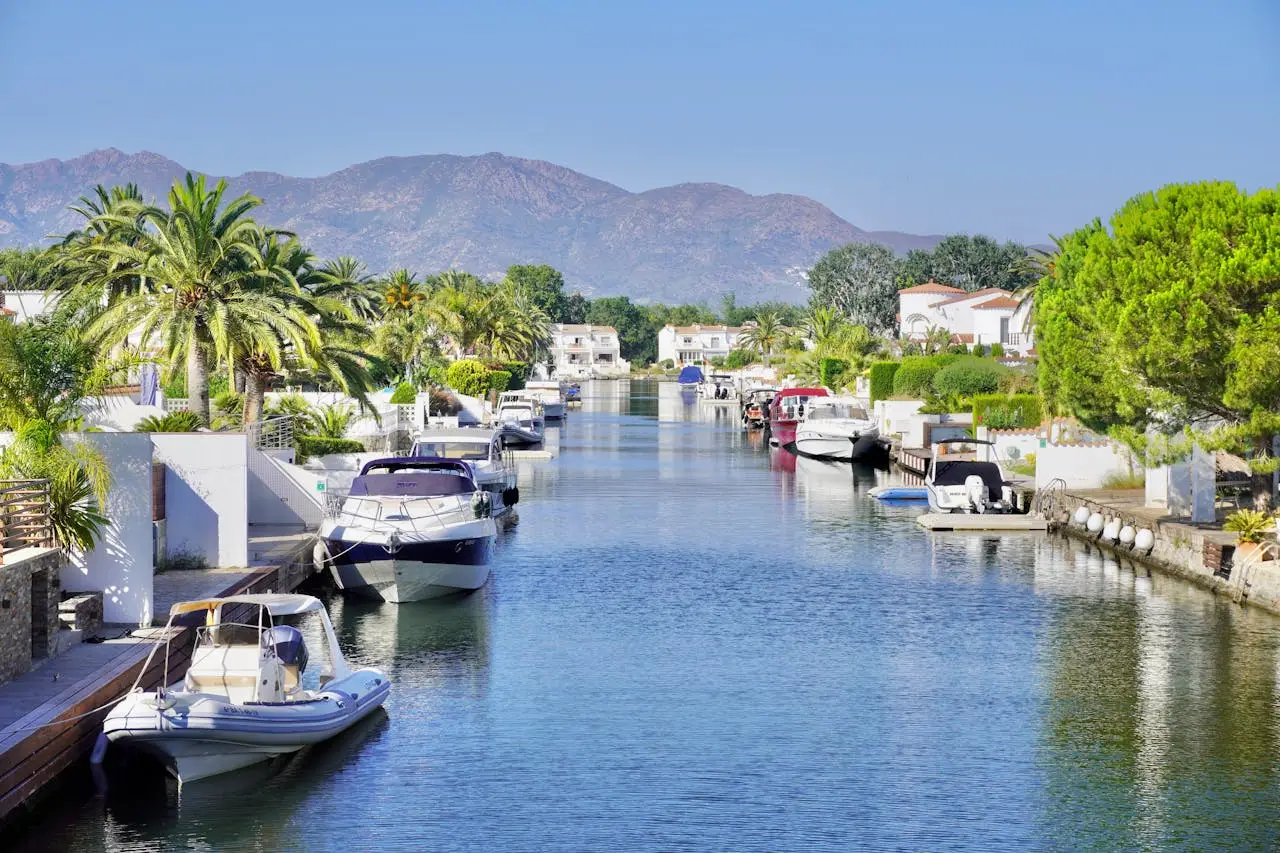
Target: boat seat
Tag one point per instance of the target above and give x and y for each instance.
(292, 679)
(232, 671)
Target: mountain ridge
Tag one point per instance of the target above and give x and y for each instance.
(688, 242)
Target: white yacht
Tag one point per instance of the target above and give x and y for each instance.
(549, 394)
(266, 678)
(957, 482)
(412, 528)
(519, 419)
(718, 386)
(492, 466)
(836, 428)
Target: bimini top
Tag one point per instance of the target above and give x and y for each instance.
(276, 603)
(689, 375)
(398, 464)
(802, 392)
(414, 477)
(477, 435)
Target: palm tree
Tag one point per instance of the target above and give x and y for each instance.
(936, 340)
(112, 215)
(347, 280)
(402, 291)
(1041, 264)
(517, 327)
(200, 263)
(765, 334)
(822, 324)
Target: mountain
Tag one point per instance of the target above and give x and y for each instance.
(685, 243)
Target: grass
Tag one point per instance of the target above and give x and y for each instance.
(1125, 480)
(1026, 469)
(182, 561)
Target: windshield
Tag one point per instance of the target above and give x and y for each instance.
(452, 449)
(838, 411)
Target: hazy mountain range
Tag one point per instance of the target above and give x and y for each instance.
(684, 243)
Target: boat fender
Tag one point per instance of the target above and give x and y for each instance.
(320, 556)
(99, 749)
(482, 504)
(511, 496)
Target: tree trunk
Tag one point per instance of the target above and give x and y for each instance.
(255, 390)
(238, 379)
(197, 376)
(1262, 483)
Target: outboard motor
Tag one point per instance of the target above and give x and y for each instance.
(288, 644)
(976, 489)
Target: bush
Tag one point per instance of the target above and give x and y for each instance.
(315, 445)
(499, 380)
(911, 348)
(958, 349)
(997, 350)
(881, 375)
(967, 377)
(468, 377)
(914, 378)
(1249, 525)
(738, 359)
(519, 371)
(1125, 480)
(979, 350)
(668, 364)
(182, 421)
(404, 394)
(831, 372)
(999, 411)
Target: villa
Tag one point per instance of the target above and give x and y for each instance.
(696, 344)
(585, 351)
(987, 316)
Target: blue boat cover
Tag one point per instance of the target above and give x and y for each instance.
(690, 375)
(289, 645)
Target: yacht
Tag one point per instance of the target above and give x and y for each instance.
(519, 418)
(958, 482)
(483, 449)
(549, 394)
(787, 410)
(266, 679)
(718, 386)
(836, 428)
(411, 528)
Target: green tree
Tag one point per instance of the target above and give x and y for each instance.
(764, 335)
(542, 286)
(347, 280)
(636, 337)
(969, 262)
(857, 281)
(575, 309)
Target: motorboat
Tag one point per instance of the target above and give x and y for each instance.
(718, 387)
(573, 394)
(411, 528)
(903, 493)
(755, 407)
(787, 410)
(549, 394)
(519, 418)
(266, 678)
(484, 450)
(836, 428)
(958, 482)
(690, 377)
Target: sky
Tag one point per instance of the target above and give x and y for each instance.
(1015, 118)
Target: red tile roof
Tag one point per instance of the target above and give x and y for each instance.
(930, 286)
(986, 291)
(999, 303)
(962, 338)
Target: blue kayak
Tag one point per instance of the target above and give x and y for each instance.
(899, 493)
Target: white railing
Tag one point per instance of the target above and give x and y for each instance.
(177, 404)
(271, 434)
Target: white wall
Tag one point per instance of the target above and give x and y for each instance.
(986, 325)
(28, 303)
(898, 416)
(281, 493)
(1080, 466)
(117, 413)
(206, 494)
(1025, 442)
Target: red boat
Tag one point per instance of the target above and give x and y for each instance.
(787, 409)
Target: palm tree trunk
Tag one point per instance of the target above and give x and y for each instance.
(1261, 484)
(255, 390)
(198, 374)
(238, 379)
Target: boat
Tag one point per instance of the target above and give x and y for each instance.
(573, 394)
(690, 376)
(755, 407)
(492, 467)
(899, 493)
(959, 483)
(519, 418)
(786, 411)
(836, 428)
(411, 528)
(718, 387)
(266, 679)
(549, 394)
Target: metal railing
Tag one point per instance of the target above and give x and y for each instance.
(25, 520)
(177, 404)
(272, 433)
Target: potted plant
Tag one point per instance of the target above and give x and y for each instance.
(1250, 527)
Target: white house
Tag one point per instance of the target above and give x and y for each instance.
(696, 344)
(586, 350)
(987, 316)
(22, 305)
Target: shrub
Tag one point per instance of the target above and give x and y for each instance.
(1125, 480)
(1249, 525)
(331, 421)
(998, 411)
(404, 394)
(997, 350)
(181, 561)
(468, 377)
(958, 349)
(1018, 380)
(979, 350)
(738, 359)
(315, 445)
(182, 421)
(967, 377)
(881, 376)
(668, 364)
(229, 405)
(915, 377)
(499, 380)
(911, 348)
(831, 372)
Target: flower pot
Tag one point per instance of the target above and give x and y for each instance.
(1251, 551)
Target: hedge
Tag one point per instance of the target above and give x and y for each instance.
(831, 372)
(967, 377)
(996, 411)
(499, 380)
(882, 379)
(468, 377)
(314, 445)
(914, 378)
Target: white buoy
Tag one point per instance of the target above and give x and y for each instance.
(1127, 534)
(1082, 515)
(1145, 540)
(1094, 524)
(1111, 531)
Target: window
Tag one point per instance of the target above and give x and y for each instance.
(605, 358)
(715, 343)
(688, 342)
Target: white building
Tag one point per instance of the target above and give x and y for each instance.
(585, 350)
(987, 316)
(24, 304)
(696, 344)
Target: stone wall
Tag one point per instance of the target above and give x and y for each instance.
(19, 643)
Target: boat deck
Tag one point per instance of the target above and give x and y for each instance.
(983, 521)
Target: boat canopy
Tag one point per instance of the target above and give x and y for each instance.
(414, 477)
(397, 464)
(802, 392)
(277, 603)
(689, 375)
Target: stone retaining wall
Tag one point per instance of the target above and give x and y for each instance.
(31, 571)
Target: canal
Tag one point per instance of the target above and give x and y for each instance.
(691, 642)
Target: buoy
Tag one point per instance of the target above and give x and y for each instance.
(1127, 534)
(1145, 540)
(1094, 524)
(1111, 531)
(1082, 515)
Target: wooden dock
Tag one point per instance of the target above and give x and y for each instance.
(994, 522)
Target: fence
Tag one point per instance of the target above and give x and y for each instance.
(176, 404)
(24, 515)
(271, 434)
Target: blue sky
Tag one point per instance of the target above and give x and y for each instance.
(1011, 117)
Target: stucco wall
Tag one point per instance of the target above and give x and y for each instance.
(1080, 466)
(206, 495)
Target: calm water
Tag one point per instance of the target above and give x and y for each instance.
(692, 643)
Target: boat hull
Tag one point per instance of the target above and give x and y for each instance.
(418, 571)
(203, 735)
(514, 436)
(553, 411)
(834, 445)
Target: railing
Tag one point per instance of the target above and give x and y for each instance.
(177, 404)
(25, 521)
(1017, 339)
(272, 434)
